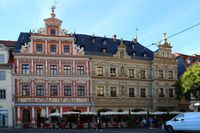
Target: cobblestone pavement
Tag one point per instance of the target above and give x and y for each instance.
(134, 130)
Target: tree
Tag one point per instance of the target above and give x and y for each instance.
(190, 81)
(178, 89)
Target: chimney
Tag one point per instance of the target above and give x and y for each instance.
(114, 37)
(135, 39)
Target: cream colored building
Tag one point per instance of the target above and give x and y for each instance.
(6, 89)
(123, 82)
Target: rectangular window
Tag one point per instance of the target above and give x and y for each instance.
(113, 72)
(2, 75)
(99, 71)
(53, 69)
(67, 70)
(66, 49)
(2, 58)
(39, 48)
(25, 68)
(143, 92)
(53, 90)
(40, 90)
(67, 91)
(26, 90)
(170, 74)
(171, 92)
(2, 94)
(142, 74)
(39, 69)
(100, 91)
(53, 48)
(113, 91)
(161, 92)
(53, 32)
(131, 73)
(80, 70)
(160, 74)
(81, 90)
(131, 92)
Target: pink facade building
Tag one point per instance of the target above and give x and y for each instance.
(52, 74)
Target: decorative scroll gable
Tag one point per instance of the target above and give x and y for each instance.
(77, 50)
(26, 48)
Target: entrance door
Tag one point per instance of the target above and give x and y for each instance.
(26, 116)
(3, 118)
(40, 119)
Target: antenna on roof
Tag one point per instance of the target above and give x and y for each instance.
(136, 36)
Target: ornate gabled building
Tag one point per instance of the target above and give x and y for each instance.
(127, 75)
(52, 74)
(57, 72)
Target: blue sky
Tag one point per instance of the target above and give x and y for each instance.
(109, 17)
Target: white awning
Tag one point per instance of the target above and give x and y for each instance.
(70, 113)
(55, 114)
(88, 113)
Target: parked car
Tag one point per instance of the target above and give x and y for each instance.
(189, 121)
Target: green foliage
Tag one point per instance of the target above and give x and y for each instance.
(178, 89)
(190, 81)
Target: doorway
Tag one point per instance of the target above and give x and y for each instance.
(26, 116)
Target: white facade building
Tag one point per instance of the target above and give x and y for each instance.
(6, 89)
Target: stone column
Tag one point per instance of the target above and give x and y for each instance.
(18, 117)
(33, 117)
(45, 47)
(87, 68)
(18, 68)
(46, 67)
(47, 111)
(59, 48)
(73, 68)
(31, 66)
(61, 110)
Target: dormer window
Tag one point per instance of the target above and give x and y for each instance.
(93, 40)
(53, 32)
(105, 42)
(134, 54)
(133, 46)
(104, 50)
(188, 60)
(82, 47)
(145, 55)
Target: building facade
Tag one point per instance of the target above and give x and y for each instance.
(51, 74)
(128, 76)
(6, 88)
(58, 72)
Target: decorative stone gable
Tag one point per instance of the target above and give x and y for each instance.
(164, 50)
(121, 53)
(26, 48)
(77, 50)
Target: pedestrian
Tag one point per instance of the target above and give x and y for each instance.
(151, 123)
(99, 124)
